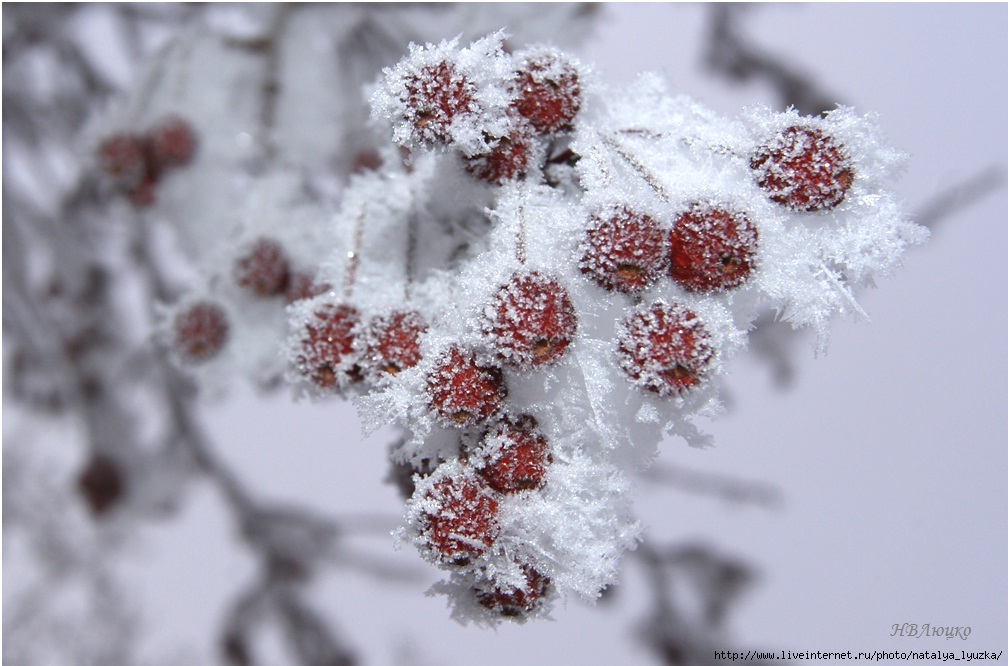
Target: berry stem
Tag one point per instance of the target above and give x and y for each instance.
(638, 166)
(354, 254)
(520, 236)
(411, 243)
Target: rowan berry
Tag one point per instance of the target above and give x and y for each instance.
(624, 251)
(172, 143)
(512, 456)
(123, 157)
(547, 91)
(435, 97)
(665, 349)
(512, 601)
(101, 483)
(804, 169)
(531, 320)
(459, 520)
(392, 343)
(507, 160)
(200, 331)
(712, 249)
(325, 353)
(264, 268)
(461, 392)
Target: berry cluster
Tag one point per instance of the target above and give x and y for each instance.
(135, 163)
(618, 258)
(334, 348)
(498, 118)
(457, 512)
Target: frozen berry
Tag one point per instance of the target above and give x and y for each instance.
(711, 249)
(512, 456)
(263, 269)
(367, 159)
(200, 331)
(325, 354)
(302, 285)
(665, 349)
(435, 97)
(459, 520)
(512, 601)
(547, 91)
(531, 320)
(624, 251)
(172, 143)
(462, 392)
(804, 169)
(392, 343)
(101, 483)
(506, 161)
(123, 157)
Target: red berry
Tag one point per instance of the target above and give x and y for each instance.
(325, 354)
(263, 269)
(511, 601)
(804, 169)
(365, 160)
(548, 92)
(513, 456)
(463, 393)
(392, 343)
(624, 251)
(435, 96)
(459, 522)
(508, 160)
(101, 483)
(172, 143)
(531, 320)
(123, 157)
(200, 331)
(302, 285)
(665, 349)
(711, 249)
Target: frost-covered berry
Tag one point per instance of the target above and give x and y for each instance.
(804, 169)
(301, 285)
(531, 320)
(325, 351)
(435, 96)
(264, 268)
(624, 251)
(200, 331)
(459, 520)
(123, 157)
(172, 143)
(665, 349)
(392, 343)
(712, 249)
(512, 456)
(514, 601)
(462, 392)
(547, 91)
(506, 161)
